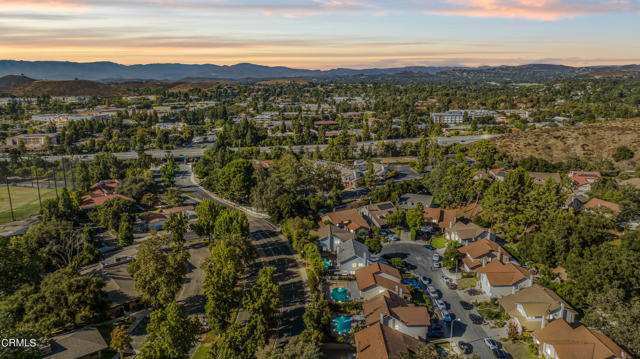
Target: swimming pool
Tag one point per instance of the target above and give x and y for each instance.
(340, 295)
(342, 325)
(327, 263)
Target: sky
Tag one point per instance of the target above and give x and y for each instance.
(323, 34)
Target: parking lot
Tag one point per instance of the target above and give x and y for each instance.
(420, 262)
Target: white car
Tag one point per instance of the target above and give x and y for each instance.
(432, 291)
(492, 344)
(441, 304)
(437, 264)
(436, 257)
(425, 280)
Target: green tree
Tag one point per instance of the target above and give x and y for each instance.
(374, 245)
(263, 302)
(235, 180)
(177, 226)
(207, 212)
(157, 273)
(451, 257)
(294, 349)
(370, 177)
(237, 342)
(230, 222)
(114, 211)
(125, 234)
(396, 218)
(171, 334)
(316, 318)
(173, 198)
(415, 219)
(169, 170)
(223, 271)
(120, 339)
(457, 186)
(622, 153)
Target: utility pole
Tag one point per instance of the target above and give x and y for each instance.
(64, 173)
(55, 182)
(6, 181)
(38, 187)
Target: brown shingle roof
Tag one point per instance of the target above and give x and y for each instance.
(536, 300)
(348, 217)
(96, 199)
(391, 305)
(337, 232)
(372, 275)
(381, 342)
(482, 247)
(466, 230)
(595, 203)
(577, 343)
(76, 344)
(499, 274)
(441, 217)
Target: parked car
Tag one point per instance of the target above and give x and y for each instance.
(428, 246)
(425, 280)
(435, 326)
(447, 316)
(441, 304)
(466, 305)
(445, 278)
(476, 319)
(432, 291)
(436, 257)
(435, 334)
(437, 264)
(499, 354)
(492, 344)
(452, 285)
(465, 347)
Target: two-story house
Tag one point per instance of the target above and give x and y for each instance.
(377, 213)
(353, 255)
(330, 237)
(528, 307)
(561, 340)
(398, 313)
(482, 251)
(498, 279)
(379, 341)
(379, 277)
(348, 219)
(465, 232)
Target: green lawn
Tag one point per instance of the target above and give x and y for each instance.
(466, 283)
(438, 242)
(518, 350)
(24, 200)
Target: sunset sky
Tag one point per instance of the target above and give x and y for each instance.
(323, 34)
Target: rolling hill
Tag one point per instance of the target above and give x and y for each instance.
(557, 144)
(14, 80)
(66, 88)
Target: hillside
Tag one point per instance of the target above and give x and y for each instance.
(557, 144)
(66, 88)
(13, 80)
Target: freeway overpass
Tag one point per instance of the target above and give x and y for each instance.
(199, 151)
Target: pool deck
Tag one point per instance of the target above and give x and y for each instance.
(352, 286)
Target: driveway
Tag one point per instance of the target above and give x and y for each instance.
(420, 261)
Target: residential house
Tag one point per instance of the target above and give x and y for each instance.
(330, 237)
(32, 141)
(528, 307)
(349, 219)
(575, 201)
(498, 279)
(393, 311)
(379, 341)
(465, 232)
(609, 208)
(187, 211)
(410, 200)
(437, 217)
(480, 252)
(583, 180)
(353, 255)
(119, 284)
(83, 343)
(541, 177)
(377, 213)
(379, 277)
(498, 173)
(100, 193)
(560, 340)
(152, 221)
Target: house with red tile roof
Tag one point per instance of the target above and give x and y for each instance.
(498, 279)
(438, 217)
(480, 252)
(377, 278)
(379, 341)
(349, 219)
(605, 206)
(377, 213)
(398, 313)
(100, 193)
(583, 179)
(561, 340)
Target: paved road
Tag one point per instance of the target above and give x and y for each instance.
(421, 259)
(198, 150)
(273, 250)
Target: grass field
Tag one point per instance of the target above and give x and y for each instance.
(24, 200)
(438, 242)
(518, 350)
(466, 283)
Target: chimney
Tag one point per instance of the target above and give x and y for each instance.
(623, 355)
(397, 291)
(484, 262)
(500, 253)
(381, 318)
(400, 293)
(562, 310)
(544, 321)
(450, 224)
(513, 290)
(530, 278)
(358, 347)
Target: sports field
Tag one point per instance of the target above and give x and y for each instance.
(24, 199)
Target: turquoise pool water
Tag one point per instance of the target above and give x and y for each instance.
(342, 325)
(327, 263)
(340, 294)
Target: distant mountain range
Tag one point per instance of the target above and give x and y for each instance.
(113, 72)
